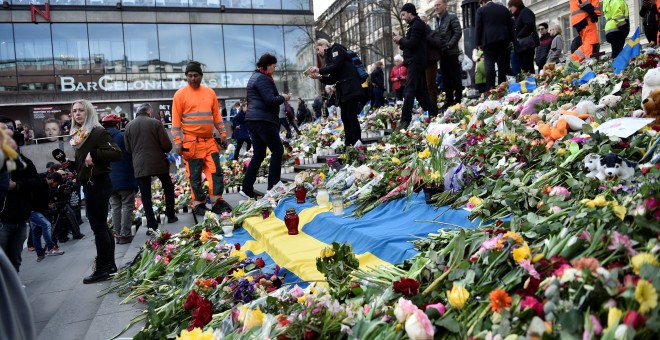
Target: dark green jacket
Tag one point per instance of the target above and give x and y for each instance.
(103, 151)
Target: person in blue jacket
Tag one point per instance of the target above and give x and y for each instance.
(263, 123)
(240, 134)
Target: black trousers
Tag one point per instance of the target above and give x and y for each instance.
(144, 183)
(264, 135)
(350, 109)
(496, 54)
(526, 59)
(97, 197)
(239, 145)
(651, 32)
(416, 88)
(618, 39)
(451, 76)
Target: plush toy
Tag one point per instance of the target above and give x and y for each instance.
(591, 162)
(609, 101)
(529, 107)
(613, 165)
(651, 82)
(637, 113)
(574, 120)
(587, 107)
(651, 106)
(547, 69)
(551, 133)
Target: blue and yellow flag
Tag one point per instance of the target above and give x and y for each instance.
(524, 86)
(630, 50)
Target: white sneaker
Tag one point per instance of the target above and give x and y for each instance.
(54, 252)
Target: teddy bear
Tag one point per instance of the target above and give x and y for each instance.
(553, 132)
(609, 101)
(651, 106)
(547, 69)
(651, 82)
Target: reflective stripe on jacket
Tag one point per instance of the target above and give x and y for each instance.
(616, 13)
(578, 13)
(195, 113)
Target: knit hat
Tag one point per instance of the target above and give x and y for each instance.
(194, 67)
(410, 8)
(143, 109)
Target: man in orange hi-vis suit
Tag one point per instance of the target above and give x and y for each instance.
(195, 114)
(584, 17)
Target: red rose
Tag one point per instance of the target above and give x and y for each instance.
(406, 286)
(237, 246)
(310, 335)
(634, 319)
(260, 262)
(202, 315)
(192, 300)
(166, 236)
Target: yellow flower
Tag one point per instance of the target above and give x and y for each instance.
(522, 253)
(322, 175)
(537, 258)
(432, 139)
(561, 152)
(424, 154)
(458, 296)
(302, 299)
(642, 258)
(239, 273)
(241, 255)
(196, 334)
(254, 318)
(327, 252)
(435, 175)
(619, 211)
(185, 230)
(250, 278)
(205, 236)
(599, 201)
(594, 125)
(396, 161)
(476, 201)
(646, 295)
(613, 316)
(375, 156)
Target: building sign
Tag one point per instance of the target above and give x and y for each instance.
(173, 82)
(34, 10)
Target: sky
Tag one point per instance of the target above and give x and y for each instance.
(320, 6)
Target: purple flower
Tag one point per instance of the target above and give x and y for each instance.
(619, 242)
(580, 139)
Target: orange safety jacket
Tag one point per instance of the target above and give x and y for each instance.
(577, 12)
(195, 113)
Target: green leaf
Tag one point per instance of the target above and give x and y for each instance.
(459, 249)
(449, 324)
(570, 321)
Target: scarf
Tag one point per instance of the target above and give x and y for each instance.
(265, 71)
(78, 137)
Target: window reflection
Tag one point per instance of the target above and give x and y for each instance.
(208, 47)
(7, 56)
(34, 52)
(270, 39)
(106, 47)
(8, 84)
(295, 4)
(101, 2)
(36, 83)
(205, 3)
(237, 3)
(235, 79)
(66, 2)
(174, 47)
(71, 48)
(141, 43)
(298, 47)
(146, 3)
(269, 4)
(174, 3)
(239, 47)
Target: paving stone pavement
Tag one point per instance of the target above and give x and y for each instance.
(64, 307)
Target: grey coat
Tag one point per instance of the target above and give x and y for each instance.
(556, 54)
(147, 140)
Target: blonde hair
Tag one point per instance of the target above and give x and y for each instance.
(323, 42)
(91, 119)
(557, 28)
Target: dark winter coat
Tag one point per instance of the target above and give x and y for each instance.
(524, 26)
(103, 151)
(263, 99)
(543, 50)
(378, 78)
(238, 124)
(341, 72)
(121, 176)
(447, 35)
(147, 141)
(17, 205)
(414, 43)
(494, 26)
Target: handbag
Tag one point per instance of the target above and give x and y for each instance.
(526, 43)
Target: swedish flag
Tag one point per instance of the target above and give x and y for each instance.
(527, 85)
(630, 50)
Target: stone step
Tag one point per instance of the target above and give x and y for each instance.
(303, 167)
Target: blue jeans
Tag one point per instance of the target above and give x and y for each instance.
(12, 236)
(40, 226)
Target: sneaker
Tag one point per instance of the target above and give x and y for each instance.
(172, 219)
(221, 206)
(124, 239)
(54, 252)
(151, 232)
(41, 258)
(30, 249)
(200, 209)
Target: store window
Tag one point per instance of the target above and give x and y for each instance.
(71, 48)
(176, 3)
(235, 79)
(267, 4)
(296, 4)
(34, 51)
(106, 47)
(32, 83)
(298, 47)
(142, 3)
(141, 43)
(101, 2)
(7, 55)
(237, 3)
(208, 47)
(174, 46)
(239, 47)
(205, 3)
(270, 39)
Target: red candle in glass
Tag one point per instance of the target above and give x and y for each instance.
(291, 221)
(301, 193)
(265, 212)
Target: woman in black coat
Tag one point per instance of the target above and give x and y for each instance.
(339, 70)
(524, 30)
(263, 123)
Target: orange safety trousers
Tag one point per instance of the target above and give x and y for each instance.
(589, 36)
(202, 155)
